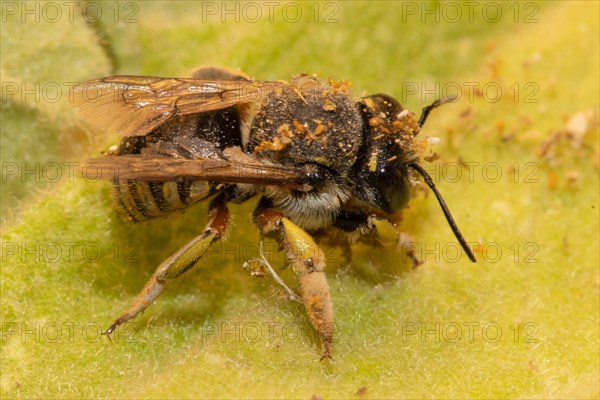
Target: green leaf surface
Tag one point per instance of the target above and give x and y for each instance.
(518, 165)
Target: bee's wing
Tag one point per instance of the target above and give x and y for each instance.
(243, 169)
(135, 105)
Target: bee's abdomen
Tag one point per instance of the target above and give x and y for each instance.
(186, 137)
(140, 200)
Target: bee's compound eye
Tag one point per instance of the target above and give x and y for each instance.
(394, 190)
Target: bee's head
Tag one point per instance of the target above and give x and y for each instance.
(389, 131)
(390, 154)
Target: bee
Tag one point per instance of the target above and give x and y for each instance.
(325, 165)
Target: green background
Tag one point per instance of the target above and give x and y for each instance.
(522, 322)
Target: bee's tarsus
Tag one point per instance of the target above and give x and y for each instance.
(415, 260)
(112, 328)
(108, 332)
(326, 351)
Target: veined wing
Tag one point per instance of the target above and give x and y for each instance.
(135, 105)
(248, 169)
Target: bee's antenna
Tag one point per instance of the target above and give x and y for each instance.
(429, 108)
(445, 209)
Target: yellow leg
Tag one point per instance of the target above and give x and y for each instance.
(308, 263)
(389, 235)
(173, 267)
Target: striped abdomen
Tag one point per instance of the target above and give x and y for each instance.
(139, 201)
(193, 136)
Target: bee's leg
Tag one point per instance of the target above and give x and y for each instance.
(377, 231)
(308, 263)
(183, 260)
(388, 235)
(407, 245)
